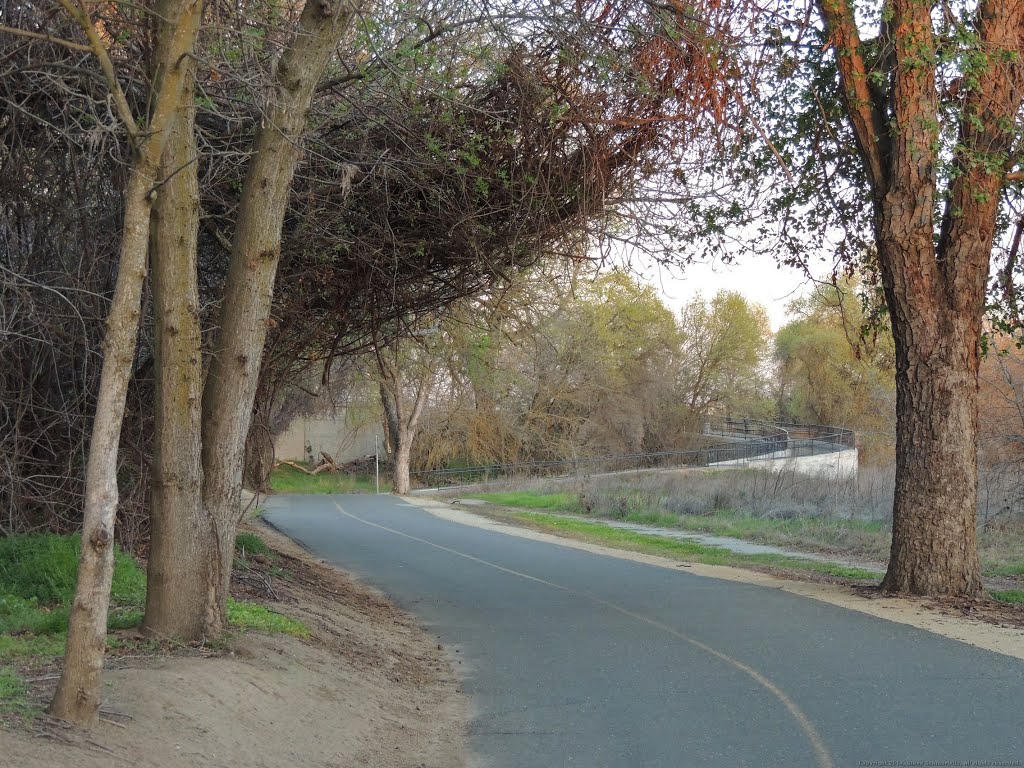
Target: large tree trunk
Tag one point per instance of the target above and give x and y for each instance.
(259, 455)
(245, 308)
(934, 539)
(179, 533)
(78, 693)
(400, 474)
(934, 272)
(398, 438)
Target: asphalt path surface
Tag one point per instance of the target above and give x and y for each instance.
(577, 659)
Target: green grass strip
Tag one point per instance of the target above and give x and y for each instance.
(44, 567)
(691, 551)
(1008, 595)
(13, 694)
(251, 544)
(246, 615)
(1006, 569)
(285, 479)
(564, 502)
(37, 582)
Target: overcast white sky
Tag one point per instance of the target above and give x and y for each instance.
(759, 279)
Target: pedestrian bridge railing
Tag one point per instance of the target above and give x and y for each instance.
(747, 439)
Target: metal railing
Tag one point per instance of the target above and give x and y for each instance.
(799, 439)
(751, 440)
(728, 426)
(741, 429)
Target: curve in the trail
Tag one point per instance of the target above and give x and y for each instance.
(573, 658)
(824, 759)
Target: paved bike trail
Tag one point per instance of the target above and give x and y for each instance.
(578, 659)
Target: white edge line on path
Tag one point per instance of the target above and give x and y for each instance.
(1008, 641)
(821, 753)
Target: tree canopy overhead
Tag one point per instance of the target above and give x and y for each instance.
(433, 180)
(446, 144)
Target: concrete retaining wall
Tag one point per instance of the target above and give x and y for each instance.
(838, 464)
(309, 435)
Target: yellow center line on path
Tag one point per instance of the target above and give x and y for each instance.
(821, 753)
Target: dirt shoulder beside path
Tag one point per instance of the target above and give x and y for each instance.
(994, 627)
(368, 688)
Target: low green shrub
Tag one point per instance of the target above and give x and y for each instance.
(251, 544)
(44, 567)
(38, 573)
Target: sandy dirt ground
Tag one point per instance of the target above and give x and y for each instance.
(369, 688)
(984, 624)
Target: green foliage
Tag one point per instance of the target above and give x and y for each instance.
(834, 370)
(25, 645)
(20, 615)
(554, 366)
(251, 544)
(44, 567)
(13, 693)
(285, 479)
(245, 615)
(1008, 595)
(47, 565)
(725, 342)
(628, 318)
(38, 573)
(604, 368)
(121, 617)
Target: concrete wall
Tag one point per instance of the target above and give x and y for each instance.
(837, 464)
(332, 434)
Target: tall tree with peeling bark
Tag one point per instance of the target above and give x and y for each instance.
(78, 693)
(898, 152)
(934, 246)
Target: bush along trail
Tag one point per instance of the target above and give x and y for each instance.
(307, 645)
(37, 584)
